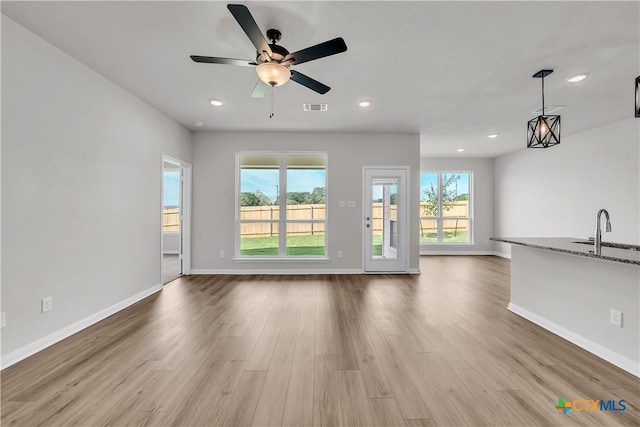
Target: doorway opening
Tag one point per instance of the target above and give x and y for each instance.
(176, 177)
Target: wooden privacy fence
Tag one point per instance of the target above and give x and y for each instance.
(171, 219)
(272, 213)
(459, 209)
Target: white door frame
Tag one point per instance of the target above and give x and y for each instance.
(185, 212)
(401, 265)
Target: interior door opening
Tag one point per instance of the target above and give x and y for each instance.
(175, 224)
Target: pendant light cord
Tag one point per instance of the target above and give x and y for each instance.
(543, 96)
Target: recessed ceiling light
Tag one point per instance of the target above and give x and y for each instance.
(364, 104)
(578, 78)
(215, 102)
(492, 135)
(460, 150)
(198, 123)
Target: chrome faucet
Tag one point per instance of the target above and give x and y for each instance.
(597, 245)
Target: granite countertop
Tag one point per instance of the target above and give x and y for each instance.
(618, 252)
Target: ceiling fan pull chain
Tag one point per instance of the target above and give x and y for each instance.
(273, 92)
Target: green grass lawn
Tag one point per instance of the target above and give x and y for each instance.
(314, 245)
(462, 236)
(296, 245)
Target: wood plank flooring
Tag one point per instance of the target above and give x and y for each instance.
(328, 350)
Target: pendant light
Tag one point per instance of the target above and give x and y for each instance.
(543, 131)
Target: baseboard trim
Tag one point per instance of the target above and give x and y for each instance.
(203, 271)
(502, 255)
(463, 253)
(282, 271)
(47, 341)
(610, 356)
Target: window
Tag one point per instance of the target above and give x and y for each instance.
(171, 201)
(281, 227)
(445, 207)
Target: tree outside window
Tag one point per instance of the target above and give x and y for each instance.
(445, 208)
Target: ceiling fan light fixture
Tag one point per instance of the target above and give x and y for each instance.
(273, 74)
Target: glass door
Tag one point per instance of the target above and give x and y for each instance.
(385, 220)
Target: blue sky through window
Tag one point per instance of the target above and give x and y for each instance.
(267, 180)
(171, 195)
(427, 178)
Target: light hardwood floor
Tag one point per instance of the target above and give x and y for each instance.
(355, 350)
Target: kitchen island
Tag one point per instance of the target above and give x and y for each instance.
(562, 285)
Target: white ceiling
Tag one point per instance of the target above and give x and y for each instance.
(451, 71)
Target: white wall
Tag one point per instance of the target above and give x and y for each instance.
(214, 193)
(556, 192)
(481, 203)
(81, 191)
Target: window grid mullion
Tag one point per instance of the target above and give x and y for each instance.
(282, 202)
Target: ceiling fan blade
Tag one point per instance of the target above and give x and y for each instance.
(309, 82)
(318, 51)
(248, 24)
(260, 90)
(227, 61)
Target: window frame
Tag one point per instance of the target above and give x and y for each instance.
(282, 220)
(440, 218)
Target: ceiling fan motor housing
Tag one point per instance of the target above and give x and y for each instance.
(274, 35)
(279, 53)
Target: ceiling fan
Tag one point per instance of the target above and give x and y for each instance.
(272, 60)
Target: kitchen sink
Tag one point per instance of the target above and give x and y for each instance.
(611, 245)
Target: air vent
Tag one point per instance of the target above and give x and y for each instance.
(548, 109)
(315, 107)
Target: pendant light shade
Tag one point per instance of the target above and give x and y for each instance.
(273, 74)
(638, 96)
(543, 131)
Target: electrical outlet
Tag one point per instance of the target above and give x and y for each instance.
(46, 304)
(3, 319)
(339, 254)
(616, 317)
(221, 254)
